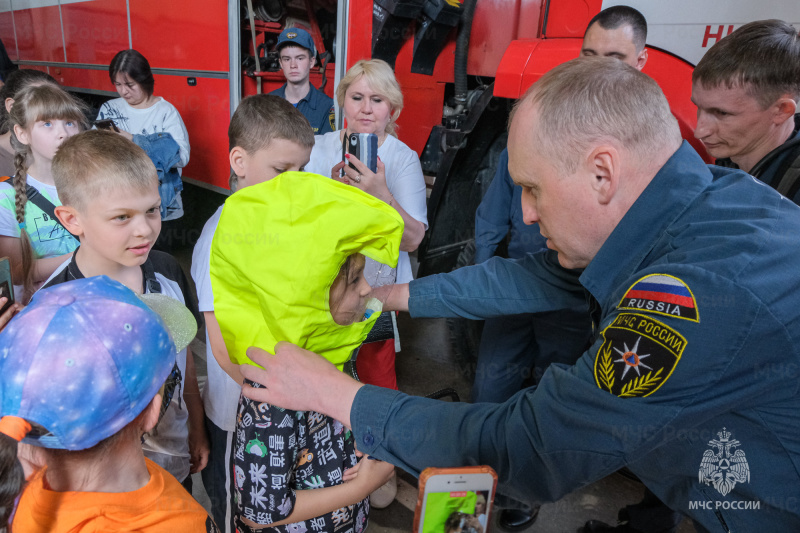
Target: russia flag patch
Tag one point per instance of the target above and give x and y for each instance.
(661, 294)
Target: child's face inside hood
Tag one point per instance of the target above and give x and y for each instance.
(349, 292)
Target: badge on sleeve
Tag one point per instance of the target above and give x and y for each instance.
(662, 294)
(638, 355)
(332, 118)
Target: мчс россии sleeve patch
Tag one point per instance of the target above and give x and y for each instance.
(638, 355)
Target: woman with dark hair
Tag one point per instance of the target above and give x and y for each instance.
(140, 116)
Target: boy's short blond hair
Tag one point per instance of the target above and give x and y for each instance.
(89, 164)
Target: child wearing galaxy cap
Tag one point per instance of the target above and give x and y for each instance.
(109, 190)
(84, 374)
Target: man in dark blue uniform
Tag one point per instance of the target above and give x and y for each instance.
(517, 346)
(298, 55)
(690, 274)
(513, 346)
(746, 88)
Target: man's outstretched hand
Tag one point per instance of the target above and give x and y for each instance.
(393, 297)
(300, 380)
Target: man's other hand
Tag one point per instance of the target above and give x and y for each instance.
(300, 380)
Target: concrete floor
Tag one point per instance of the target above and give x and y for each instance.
(426, 364)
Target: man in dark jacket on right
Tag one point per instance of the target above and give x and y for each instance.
(746, 89)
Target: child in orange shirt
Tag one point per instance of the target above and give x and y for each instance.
(85, 377)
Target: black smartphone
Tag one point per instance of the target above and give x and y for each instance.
(6, 285)
(365, 147)
(106, 124)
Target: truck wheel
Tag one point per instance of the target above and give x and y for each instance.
(465, 335)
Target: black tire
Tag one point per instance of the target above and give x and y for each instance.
(488, 168)
(465, 334)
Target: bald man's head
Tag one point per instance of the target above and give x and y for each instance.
(588, 99)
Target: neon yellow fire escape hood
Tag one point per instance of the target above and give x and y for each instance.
(276, 252)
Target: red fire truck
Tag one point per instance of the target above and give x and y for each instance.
(460, 63)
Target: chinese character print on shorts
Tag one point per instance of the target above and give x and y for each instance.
(278, 452)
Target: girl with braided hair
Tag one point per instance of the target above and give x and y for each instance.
(15, 82)
(41, 118)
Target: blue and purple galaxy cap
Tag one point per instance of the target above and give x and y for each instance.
(86, 357)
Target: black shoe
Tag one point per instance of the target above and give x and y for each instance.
(516, 520)
(596, 526)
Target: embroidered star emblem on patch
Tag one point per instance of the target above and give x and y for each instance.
(638, 355)
(631, 359)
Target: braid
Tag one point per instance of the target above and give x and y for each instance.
(20, 185)
(31, 104)
(20, 200)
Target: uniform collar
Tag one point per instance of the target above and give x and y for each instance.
(682, 178)
(310, 98)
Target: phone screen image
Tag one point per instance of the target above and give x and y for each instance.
(455, 512)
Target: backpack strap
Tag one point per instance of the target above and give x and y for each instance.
(45, 205)
(789, 183)
(73, 272)
(151, 284)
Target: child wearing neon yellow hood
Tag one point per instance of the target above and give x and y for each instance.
(287, 264)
